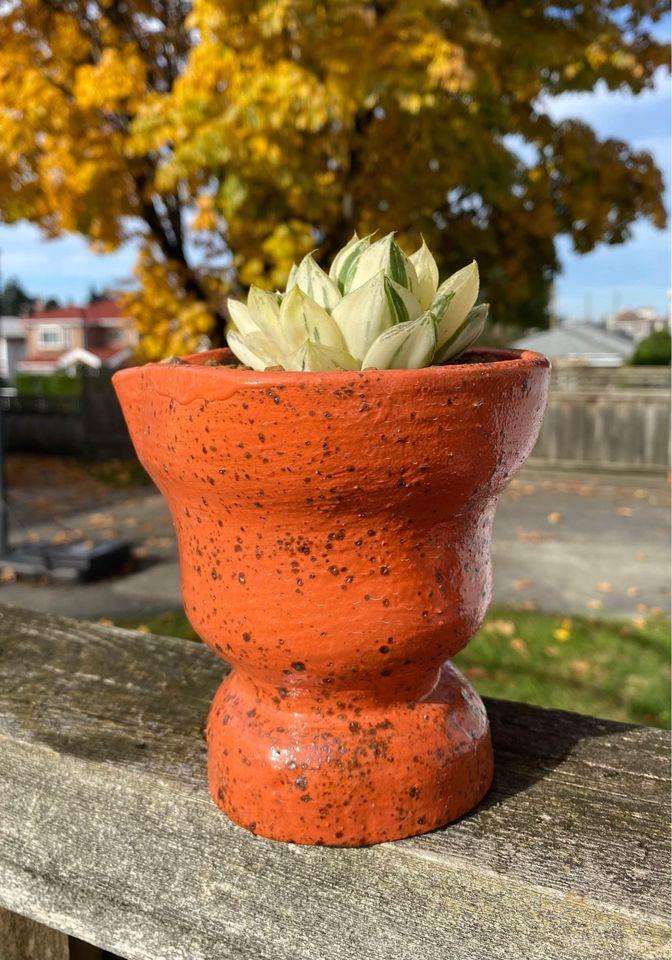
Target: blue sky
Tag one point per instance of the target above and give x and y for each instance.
(636, 273)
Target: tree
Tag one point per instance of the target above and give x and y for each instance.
(13, 299)
(235, 136)
(95, 295)
(654, 350)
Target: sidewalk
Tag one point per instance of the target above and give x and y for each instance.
(573, 544)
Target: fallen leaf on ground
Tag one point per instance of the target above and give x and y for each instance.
(100, 519)
(7, 575)
(505, 627)
(594, 604)
(562, 634)
(581, 668)
(159, 543)
(526, 489)
(529, 536)
(605, 587)
(519, 645)
(624, 511)
(554, 518)
(633, 591)
(521, 584)
(476, 673)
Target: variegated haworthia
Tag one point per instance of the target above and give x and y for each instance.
(376, 308)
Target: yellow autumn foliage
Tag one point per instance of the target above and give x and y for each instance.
(229, 138)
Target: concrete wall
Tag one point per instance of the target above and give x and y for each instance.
(622, 430)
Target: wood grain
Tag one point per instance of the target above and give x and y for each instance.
(107, 832)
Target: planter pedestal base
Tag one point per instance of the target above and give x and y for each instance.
(347, 769)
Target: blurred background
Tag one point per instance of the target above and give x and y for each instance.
(159, 155)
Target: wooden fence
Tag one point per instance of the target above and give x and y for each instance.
(90, 424)
(107, 832)
(597, 419)
(622, 430)
(568, 377)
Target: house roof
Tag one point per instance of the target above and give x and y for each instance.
(579, 341)
(90, 315)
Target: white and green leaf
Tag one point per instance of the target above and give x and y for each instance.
(454, 299)
(406, 346)
(402, 303)
(465, 336)
(386, 255)
(302, 319)
(312, 357)
(254, 350)
(345, 262)
(427, 273)
(366, 312)
(312, 279)
(265, 312)
(241, 317)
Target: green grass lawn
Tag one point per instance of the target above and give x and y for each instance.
(618, 670)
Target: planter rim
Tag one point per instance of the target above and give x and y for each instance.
(507, 362)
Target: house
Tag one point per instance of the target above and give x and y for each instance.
(582, 344)
(65, 338)
(12, 347)
(637, 323)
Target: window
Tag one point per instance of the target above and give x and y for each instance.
(50, 337)
(117, 335)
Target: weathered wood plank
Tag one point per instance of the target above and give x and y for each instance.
(107, 832)
(24, 939)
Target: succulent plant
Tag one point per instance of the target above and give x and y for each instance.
(376, 308)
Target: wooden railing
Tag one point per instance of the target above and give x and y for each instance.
(107, 833)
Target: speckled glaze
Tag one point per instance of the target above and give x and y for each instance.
(334, 533)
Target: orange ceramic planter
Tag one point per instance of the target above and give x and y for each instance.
(334, 533)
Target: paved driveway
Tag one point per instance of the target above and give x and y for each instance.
(572, 544)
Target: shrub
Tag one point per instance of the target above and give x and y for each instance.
(48, 385)
(654, 350)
